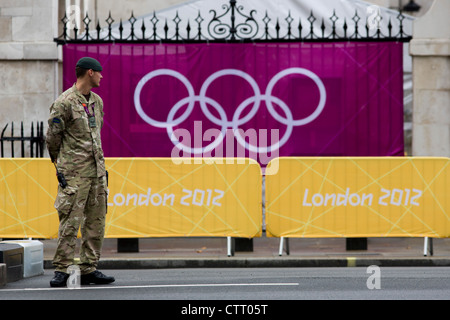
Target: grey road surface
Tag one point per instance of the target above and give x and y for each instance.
(391, 283)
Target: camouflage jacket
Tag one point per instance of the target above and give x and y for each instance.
(71, 140)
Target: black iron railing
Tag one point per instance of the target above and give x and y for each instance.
(234, 24)
(36, 141)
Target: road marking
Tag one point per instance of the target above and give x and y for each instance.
(351, 261)
(158, 286)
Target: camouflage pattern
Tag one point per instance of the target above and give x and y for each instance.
(76, 147)
(81, 204)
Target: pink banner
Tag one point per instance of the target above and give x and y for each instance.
(258, 100)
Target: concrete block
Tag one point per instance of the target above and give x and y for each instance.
(2, 274)
(33, 258)
(5, 29)
(431, 140)
(11, 51)
(433, 106)
(40, 51)
(11, 254)
(17, 11)
(431, 73)
(16, 3)
(35, 28)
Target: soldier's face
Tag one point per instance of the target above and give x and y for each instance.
(95, 77)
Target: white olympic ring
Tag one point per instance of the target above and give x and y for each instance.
(223, 121)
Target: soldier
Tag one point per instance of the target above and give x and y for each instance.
(74, 144)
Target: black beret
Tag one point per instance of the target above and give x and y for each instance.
(89, 63)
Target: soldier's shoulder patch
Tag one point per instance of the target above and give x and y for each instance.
(56, 120)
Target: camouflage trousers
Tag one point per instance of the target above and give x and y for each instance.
(81, 204)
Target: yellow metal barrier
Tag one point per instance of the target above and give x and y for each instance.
(306, 197)
(358, 197)
(148, 197)
(27, 193)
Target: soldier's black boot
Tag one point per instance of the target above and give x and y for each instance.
(59, 280)
(96, 277)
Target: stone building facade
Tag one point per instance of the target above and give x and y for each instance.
(28, 61)
(430, 50)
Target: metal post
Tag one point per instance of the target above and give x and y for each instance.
(427, 246)
(22, 140)
(1, 139)
(233, 27)
(230, 246)
(280, 250)
(12, 140)
(32, 140)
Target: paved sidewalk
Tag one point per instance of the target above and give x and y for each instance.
(212, 252)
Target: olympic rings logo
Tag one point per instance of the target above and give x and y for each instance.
(236, 121)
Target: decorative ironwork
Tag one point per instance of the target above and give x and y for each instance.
(37, 141)
(235, 25)
(220, 30)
